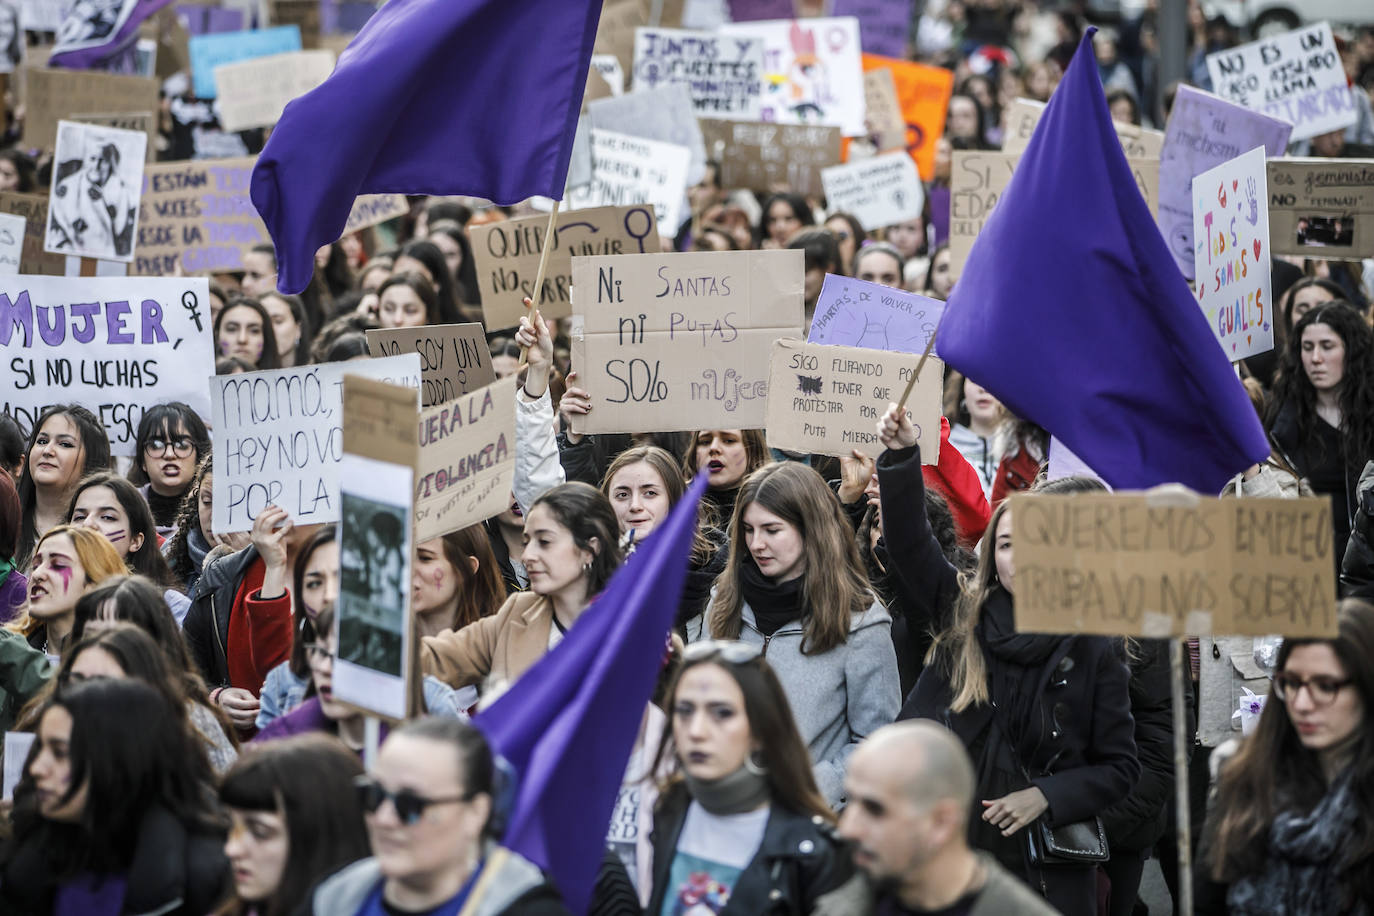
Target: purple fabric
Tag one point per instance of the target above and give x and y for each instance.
(884, 25)
(1071, 311)
(85, 896)
(92, 52)
(473, 97)
(303, 720)
(751, 10)
(938, 196)
(13, 592)
(568, 724)
(206, 20)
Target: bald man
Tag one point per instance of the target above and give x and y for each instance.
(910, 790)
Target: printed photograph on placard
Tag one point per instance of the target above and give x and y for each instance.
(1325, 232)
(11, 36)
(96, 181)
(374, 576)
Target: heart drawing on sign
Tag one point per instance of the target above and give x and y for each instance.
(1257, 249)
(1221, 195)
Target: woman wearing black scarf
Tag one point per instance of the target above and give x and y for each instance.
(1045, 718)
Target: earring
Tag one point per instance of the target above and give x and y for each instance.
(587, 567)
(754, 767)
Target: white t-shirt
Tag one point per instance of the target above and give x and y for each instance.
(712, 851)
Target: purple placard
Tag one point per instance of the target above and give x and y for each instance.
(884, 25)
(207, 20)
(856, 313)
(751, 10)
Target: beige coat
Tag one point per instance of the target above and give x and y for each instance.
(494, 651)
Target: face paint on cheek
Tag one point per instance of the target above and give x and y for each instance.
(115, 537)
(438, 578)
(66, 575)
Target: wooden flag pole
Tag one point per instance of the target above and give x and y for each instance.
(920, 364)
(1184, 840)
(493, 865)
(539, 275)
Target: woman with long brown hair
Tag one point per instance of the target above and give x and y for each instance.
(794, 585)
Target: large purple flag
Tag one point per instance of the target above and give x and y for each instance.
(1071, 310)
(92, 35)
(569, 723)
(475, 97)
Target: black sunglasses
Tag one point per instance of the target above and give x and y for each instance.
(409, 806)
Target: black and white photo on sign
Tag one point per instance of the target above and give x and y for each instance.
(11, 36)
(374, 579)
(96, 180)
(92, 23)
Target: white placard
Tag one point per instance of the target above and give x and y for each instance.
(879, 192)
(253, 93)
(97, 177)
(278, 438)
(633, 170)
(17, 746)
(11, 243)
(724, 73)
(115, 345)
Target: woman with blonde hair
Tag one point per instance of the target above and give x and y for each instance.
(795, 586)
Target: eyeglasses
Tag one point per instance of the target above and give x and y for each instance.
(1320, 688)
(734, 652)
(317, 652)
(182, 446)
(409, 806)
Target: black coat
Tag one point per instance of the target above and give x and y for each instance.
(206, 626)
(1357, 566)
(798, 860)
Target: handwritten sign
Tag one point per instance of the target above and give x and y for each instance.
(762, 156)
(884, 25)
(977, 180)
(34, 209)
(669, 342)
(278, 438)
(633, 170)
(467, 460)
(54, 94)
(923, 93)
(879, 191)
(1296, 76)
(374, 209)
(1125, 564)
(11, 243)
(1231, 233)
(253, 93)
(811, 71)
(1322, 208)
(856, 313)
(886, 126)
(454, 358)
(1023, 114)
(665, 114)
(506, 255)
(723, 73)
(115, 345)
(219, 48)
(142, 121)
(1203, 132)
(827, 400)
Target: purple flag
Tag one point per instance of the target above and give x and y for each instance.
(1071, 310)
(475, 97)
(92, 34)
(884, 25)
(569, 723)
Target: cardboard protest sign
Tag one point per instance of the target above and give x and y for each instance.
(1296, 76)
(52, 94)
(883, 115)
(723, 73)
(615, 33)
(507, 253)
(811, 71)
(143, 121)
(665, 114)
(884, 25)
(1231, 247)
(1203, 132)
(34, 209)
(201, 20)
(454, 358)
(1141, 564)
(670, 342)
(299, 14)
(215, 50)
(977, 180)
(278, 438)
(879, 191)
(924, 93)
(633, 170)
(41, 15)
(11, 243)
(374, 209)
(373, 654)
(856, 313)
(115, 345)
(762, 156)
(827, 400)
(97, 177)
(253, 93)
(1023, 114)
(467, 460)
(607, 68)
(1322, 208)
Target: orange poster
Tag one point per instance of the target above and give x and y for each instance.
(923, 93)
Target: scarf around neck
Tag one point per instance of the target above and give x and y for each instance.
(737, 793)
(775, 604)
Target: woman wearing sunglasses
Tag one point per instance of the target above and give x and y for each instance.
(1291, 828)
(741, 827)
(430, 810)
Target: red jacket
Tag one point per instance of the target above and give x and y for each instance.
(259, 631)
(958, 483)
(1017, 472)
